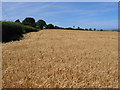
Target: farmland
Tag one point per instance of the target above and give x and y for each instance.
(61, 59)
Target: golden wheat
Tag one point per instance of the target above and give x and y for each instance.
(62, 59)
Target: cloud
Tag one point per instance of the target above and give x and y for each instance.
(63, 14)
(22, 9)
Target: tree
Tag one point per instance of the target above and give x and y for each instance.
(86, 29)
(50, 26)
(73, 27)
(94, 29)
(29, 21)
(18, 21)
(78, 28)
(56, 27)
(90, 29)
(101, 29)
(69, 28)
(40, 24)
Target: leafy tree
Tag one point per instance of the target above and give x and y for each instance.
(90, 29)
(101, 29)
(29, 21)
(18, 21)
(50, 26)
(78, 28)
(40, 24)
(86, 29)
(94, 29)
(56, 27)
(73, 27)
(69, 28)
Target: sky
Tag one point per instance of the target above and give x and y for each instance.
(60, 0)
(99, 15)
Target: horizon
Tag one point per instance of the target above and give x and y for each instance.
(99, 15)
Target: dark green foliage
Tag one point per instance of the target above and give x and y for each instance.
(12, 31)
(78, 28)
(18, 21)
(101, 29)
(27, 29)
(73, 27)
(94, 29)
(50, 26)
(57, 27)
(69, 28)
(29, 21)
(86, 29)
(40, 24)
(90, 29)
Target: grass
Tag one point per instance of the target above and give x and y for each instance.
(62, 59)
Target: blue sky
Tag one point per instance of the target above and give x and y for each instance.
(100, 15)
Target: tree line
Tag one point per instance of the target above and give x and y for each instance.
(12, 31)
(41, 24)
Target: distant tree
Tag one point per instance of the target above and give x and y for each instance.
(69, 28)
(56, 27)
(29, 21)
(73, 27)
(101, 29)
(90, 29)
(18, 21)
(78, 28)
(40, 24)
(50, 26)
(86, 29)
(94, 29)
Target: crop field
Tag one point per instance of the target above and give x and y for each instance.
(61, 59)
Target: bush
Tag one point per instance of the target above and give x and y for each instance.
(57, 27)
(27, 29)
(29, 21)
(18, 21)
(40, 24)
(69, 28)
(50, 26)
(12, 31)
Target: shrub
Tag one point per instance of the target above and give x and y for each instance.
(40, 24)
(90, 29)
(50, 26)
(86, 29)
(101, 29)
(12, 31)
(29, 21)
(27, 29)
(69, 28)
(18, 21)
(94, 29)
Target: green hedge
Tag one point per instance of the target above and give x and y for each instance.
(12, 31)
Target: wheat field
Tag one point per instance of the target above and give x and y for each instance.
(61, 59)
